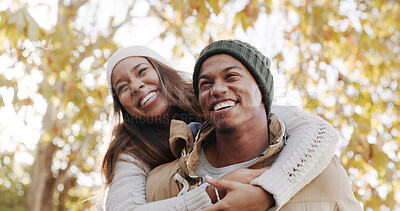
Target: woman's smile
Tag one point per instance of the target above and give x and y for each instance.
(149, 99)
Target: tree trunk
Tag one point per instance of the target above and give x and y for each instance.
(40, 193)
(41, 189)
(70, 183)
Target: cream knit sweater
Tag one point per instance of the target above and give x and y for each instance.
(310, 147)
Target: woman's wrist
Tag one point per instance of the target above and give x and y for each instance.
(212, 193)
(269, 197)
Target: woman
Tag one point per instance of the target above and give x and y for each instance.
(147, 95)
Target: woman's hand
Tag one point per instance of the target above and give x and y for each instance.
(240, 196)
(244, 175)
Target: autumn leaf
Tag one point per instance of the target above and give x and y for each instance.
(215, 6)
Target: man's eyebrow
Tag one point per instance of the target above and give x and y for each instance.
(203, 76)
(230, 68)
(133, 69)
(224, 70)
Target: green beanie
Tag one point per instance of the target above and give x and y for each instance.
(250, 57)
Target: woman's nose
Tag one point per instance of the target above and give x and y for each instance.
(137, 86)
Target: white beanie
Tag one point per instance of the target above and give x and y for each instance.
(124, 53)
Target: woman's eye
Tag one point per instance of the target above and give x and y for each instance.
(142, 70)
(121, 88)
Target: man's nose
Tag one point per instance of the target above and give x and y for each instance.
(218, 89)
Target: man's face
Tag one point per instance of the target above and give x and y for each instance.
(228, 94)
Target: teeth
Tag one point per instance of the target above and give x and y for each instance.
(149, 97)
(224, 105)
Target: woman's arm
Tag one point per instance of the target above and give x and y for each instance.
(310, 147)
(127, 190)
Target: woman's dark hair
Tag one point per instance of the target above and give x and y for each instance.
(142, 139)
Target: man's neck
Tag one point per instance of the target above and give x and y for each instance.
(239, 144)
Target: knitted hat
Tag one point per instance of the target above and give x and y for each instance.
(257, 64)
(124, 53)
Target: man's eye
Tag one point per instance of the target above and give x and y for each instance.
(231, 75)
(203, 84)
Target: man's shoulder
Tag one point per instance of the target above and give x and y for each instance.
(327, 183)
(332, 188)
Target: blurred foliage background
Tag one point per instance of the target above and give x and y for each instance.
(338, 59)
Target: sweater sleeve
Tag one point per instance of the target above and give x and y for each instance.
(310, 146)
(127, 190)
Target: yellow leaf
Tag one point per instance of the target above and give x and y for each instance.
(236, 20)
(215, 6)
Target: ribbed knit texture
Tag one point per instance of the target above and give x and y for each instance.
(127, 190)
(127, 52)
(257, 64)
(308, 151)
(311, 144)
(193, 199)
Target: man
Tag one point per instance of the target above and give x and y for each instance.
(235, 89)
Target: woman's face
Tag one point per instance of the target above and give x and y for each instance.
(138, 88)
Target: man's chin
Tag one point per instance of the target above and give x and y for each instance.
(225, 128)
